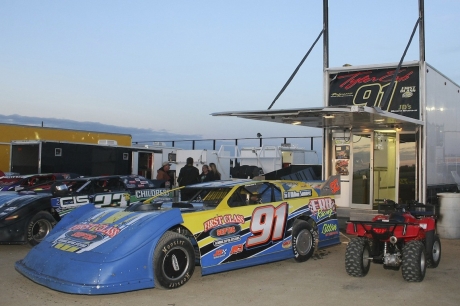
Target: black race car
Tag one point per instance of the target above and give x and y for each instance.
(28, 216)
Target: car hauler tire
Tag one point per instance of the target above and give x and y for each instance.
(303, 240)
(413, 261)
(39, 227)
(173, 261)
(434, 255)
(357, 262)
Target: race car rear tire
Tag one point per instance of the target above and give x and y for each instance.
(173, 261)
(413, 261)
(39, 227)
(434, 257)
(303, 240)
(357, 257)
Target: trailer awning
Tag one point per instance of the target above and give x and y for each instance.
(333, 117)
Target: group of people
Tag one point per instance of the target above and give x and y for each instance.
(189, 174)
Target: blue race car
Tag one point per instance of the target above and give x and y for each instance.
(224, 226)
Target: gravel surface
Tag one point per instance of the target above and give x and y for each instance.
(322, 280)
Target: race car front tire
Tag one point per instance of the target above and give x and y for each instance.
(357, 262)
(39, 227)
(303, 240)
(173, 261)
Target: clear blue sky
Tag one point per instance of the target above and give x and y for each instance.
(166, 65)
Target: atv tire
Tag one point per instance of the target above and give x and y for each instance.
(413, 261)
(357, 257)
(434, 256)
(173, 261)
(303, 240)
(39, 227)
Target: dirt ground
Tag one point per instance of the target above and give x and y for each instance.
(320, 281)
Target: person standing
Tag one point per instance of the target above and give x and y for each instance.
(206, 175)
(215, 173)
(163, 174)
(188, 175)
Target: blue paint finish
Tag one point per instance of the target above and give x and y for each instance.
(123, 262)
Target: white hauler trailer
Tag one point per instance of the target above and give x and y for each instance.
(404, 148)
(390, 130)
(271, 158)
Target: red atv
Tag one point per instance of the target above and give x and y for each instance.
(400, 236)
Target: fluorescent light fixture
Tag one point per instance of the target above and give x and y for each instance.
(296, 122)
(328, 116)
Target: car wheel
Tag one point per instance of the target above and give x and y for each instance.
(357, 257)
(303, 240)
(413, 261)
(173, 261)
(434, 257)
(39, 227)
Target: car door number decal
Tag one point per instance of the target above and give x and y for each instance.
(267, 224)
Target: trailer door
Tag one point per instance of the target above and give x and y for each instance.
(361, 169)
(25, 158)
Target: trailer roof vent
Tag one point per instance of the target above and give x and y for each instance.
(107, 142)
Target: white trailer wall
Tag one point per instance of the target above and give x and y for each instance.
(442, 127)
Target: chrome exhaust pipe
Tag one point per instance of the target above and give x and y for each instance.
(393, 239)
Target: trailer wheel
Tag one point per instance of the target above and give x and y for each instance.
(357, 257)
(39, 227)
(413, 261)
(434, 257)
(303, 240)
(173, 261)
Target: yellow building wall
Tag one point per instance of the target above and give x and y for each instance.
(10, 132)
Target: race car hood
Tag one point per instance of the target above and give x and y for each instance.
(93, 250)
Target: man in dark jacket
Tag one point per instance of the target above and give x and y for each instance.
(188, 175)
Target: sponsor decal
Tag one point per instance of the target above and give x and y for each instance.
(226, 240)
(100, 200)
(94, 232)
(329, 229)
(287, 244)
(226, 230)
(321, 204)
(221, 220)
(334, 186)
(148, 193)
(84, 236)
(105, 229)
(219, 253)
(407, 91)
(238, 248)
(290, 194)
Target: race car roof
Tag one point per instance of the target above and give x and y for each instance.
(339, 117)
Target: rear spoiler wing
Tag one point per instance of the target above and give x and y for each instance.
(331, 186)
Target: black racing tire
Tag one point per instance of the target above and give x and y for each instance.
(173, 261)
(303, 240)
(39, 227)
(357, 257)
(413, 261)
(434, 257)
